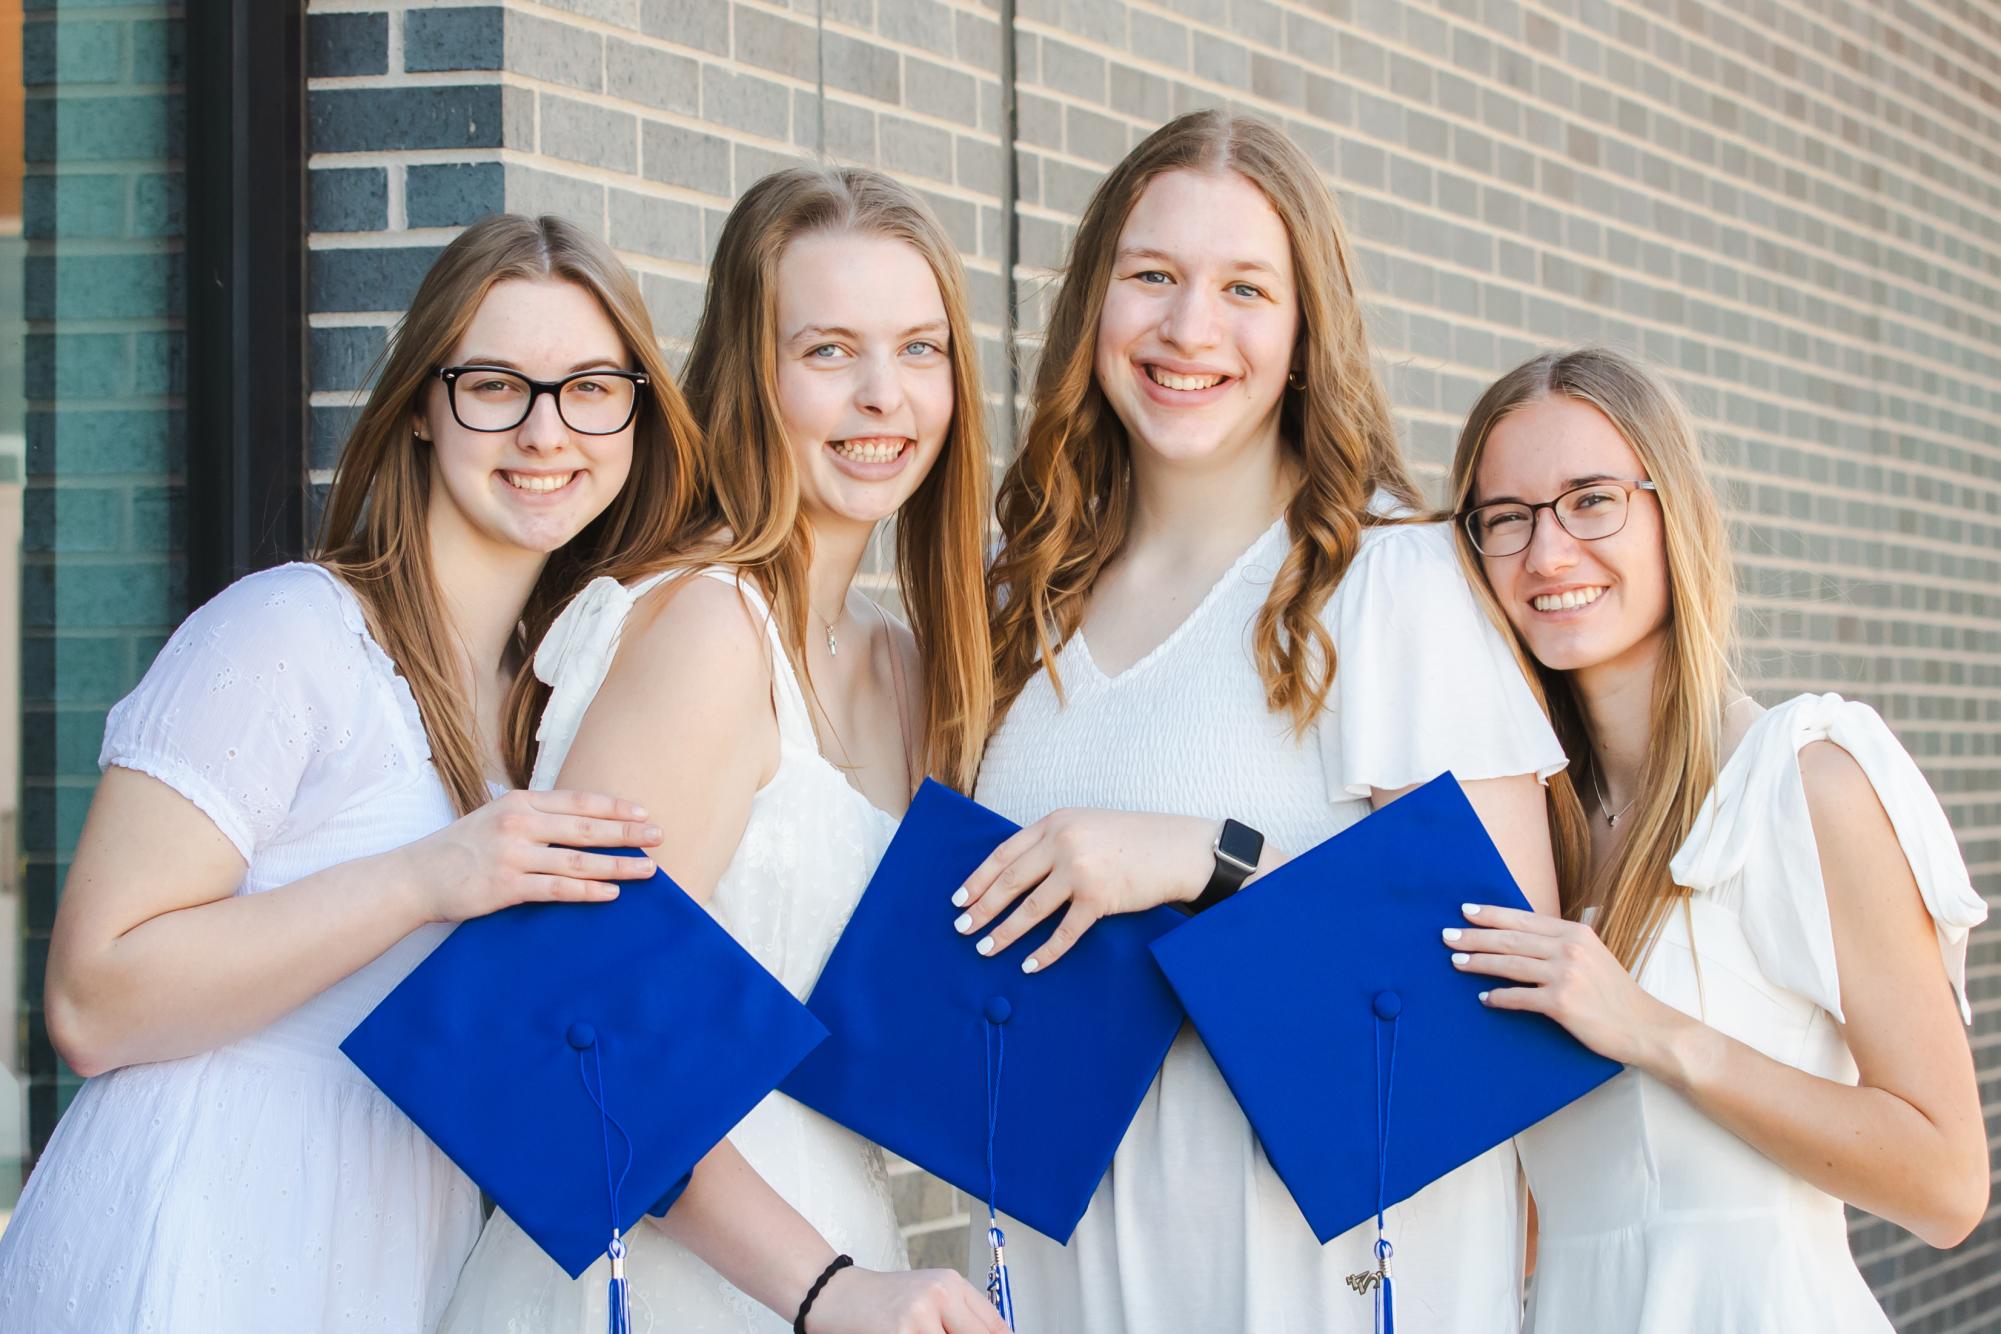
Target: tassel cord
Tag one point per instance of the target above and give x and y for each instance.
(618, 1300)
(1385, 1091)
(999, 1291)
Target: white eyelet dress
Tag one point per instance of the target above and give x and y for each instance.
(1191, 1229)
(265, 1185)
(1656, 1220)
(806, 854)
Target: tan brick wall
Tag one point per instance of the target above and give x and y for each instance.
(1791, 205)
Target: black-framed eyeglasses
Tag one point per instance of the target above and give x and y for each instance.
(1589, 512)
(493, 398)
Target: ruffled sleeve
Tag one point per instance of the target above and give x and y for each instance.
(573, 660)
(253, 690)
(1423, 680)
(1755, 828)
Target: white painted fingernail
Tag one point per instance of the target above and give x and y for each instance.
(1484, 995)
(1461, 960)
(959, 899)
(986, 946)
(1029, 964)
(964, 924)
(1470, 909)
(1452, 933)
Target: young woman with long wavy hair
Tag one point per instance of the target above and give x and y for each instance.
(777, 722)
(1208, 604)
(1777, 911)
(300, 797)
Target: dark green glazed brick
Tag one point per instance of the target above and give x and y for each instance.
(456, 38)
(453, 194)
(352, 120)
(348, 199)
(339, 45)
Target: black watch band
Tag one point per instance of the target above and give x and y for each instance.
(1237, 849)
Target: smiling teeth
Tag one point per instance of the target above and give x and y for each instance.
(1169, 380)
(541, 482)
(868, 451)
(1576, 597)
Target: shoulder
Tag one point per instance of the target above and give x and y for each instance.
(299, 595)
(293, 625)
(1404, 551)
(1850, 826)
(1407, 574)
(699, 627)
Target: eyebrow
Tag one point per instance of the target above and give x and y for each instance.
(1148, 252)
(502, 363)
(836, 331)
(1570, 485)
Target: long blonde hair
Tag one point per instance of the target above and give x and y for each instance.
(1634, 892)
(374, 534)
(755, 522)
(1066, 501)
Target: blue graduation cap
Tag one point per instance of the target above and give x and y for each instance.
(1015, 1088)
(1352, 1063)
(578, 1059)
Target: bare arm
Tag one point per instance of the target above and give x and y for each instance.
(155, 956)
(684, 722)
(1907, 1143)
(1091, 863)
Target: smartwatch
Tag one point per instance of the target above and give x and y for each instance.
(1237, 849)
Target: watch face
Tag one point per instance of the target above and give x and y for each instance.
(1241, 844)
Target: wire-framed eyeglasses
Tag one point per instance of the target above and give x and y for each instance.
(1589, 512)
(493, 398)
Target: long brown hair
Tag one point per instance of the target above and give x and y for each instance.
(1066, 501)
(374, 534)
(1634, 892)
(757, 524)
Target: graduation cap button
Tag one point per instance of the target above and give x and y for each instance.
(998, 1010)
(1388, 1005)
(581, 1036)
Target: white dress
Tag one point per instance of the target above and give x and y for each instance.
(1656, 1220)
(806, 854)
(264, 1185)
(1191, 1229)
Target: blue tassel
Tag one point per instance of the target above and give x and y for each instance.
(617, 1300)
(998, 1290)
(1386, 1301)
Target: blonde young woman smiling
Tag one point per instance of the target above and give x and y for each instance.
(1204, 607)
(1778, 912)
(777, 722)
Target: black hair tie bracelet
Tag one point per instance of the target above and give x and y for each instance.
(840, 1262)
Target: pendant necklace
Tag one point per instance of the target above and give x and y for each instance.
(833, 645)
(1604, 807)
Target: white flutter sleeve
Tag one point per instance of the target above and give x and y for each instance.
(1424, 682)
(266, 680)
(1754, 837)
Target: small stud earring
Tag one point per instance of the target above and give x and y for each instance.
(1295, 380)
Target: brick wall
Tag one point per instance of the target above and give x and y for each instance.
(102, 578)
(1792, 205)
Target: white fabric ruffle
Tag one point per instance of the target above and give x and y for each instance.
(1755, 828)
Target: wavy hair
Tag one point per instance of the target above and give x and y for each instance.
(374, 534)
(755, 522)
(1634, 893)
(1065, 504)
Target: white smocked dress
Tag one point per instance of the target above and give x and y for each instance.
(1656, 1220)
(1191, 1230)
(265, 1185)
(807, 851)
